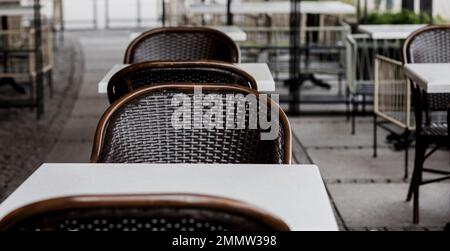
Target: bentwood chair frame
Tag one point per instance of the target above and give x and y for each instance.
(392, 104)
(429, 129)
(283, 144)
(196, 43)
(145, 212)
(144, 74)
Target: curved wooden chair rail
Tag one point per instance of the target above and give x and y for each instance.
(144, 74)
(182, 44)
(147, 212)
(137, 128)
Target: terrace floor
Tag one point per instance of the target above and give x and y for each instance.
(368, 193)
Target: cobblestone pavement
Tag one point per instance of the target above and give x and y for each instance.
(25, 141)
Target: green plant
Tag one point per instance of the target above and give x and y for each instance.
(404, 17)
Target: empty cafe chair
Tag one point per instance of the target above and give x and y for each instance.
(182, 44)
(138, 128)
(145, 212)
(151, 73)
(392, 105)
(428, 45)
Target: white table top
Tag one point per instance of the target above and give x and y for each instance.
(259, 71)
(16, 10)
(296, 193)
(234, 32)
(432, 78)
(390, 31)
(279, 7)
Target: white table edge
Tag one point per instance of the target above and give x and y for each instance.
(103, 83)
(423, 83)
(333, 226)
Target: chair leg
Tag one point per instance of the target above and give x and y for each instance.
(418, 163)
(375, 145)
(364, 105)
(354, 111)
(406, 138)
(416, 180)
(347, 105)
(416, 206)
(50, 82)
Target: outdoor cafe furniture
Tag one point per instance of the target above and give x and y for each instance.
(389, 31)
(30, 48)
(295, 193)
(384, 40)
(18, 57)
(392, 105)
(272, 7)
(141, 212)
(138, 128)
(144, 74)
(182, 43)
(258, 71)
(427, 57)
(234, 32)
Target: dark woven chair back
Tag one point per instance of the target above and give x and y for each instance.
(182, 44)
(138, 128)
(157, 212)
(152, 73)
(430, 45)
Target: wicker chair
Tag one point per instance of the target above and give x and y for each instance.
(138, 128)
(182, 44)
(428, 45)
(152, 73)
(153, 212)
(392, 105)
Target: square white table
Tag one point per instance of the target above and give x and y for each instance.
(16, 10)
(432, 78)
(278, 7)
(259, 71)
(234, 32)
(390, 31)
(294, 193)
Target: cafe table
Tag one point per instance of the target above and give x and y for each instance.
(16, 10)
(432, 78)
(259, 71)
(294, 193)
(272, 7)
(389, 31)
(234, 32)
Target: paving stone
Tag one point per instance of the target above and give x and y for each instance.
(25, 141)
(79, 129)
(89, 89)
(383, 205)
(90, 107)
(335, 132)
(70, 152)
(347, 164)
